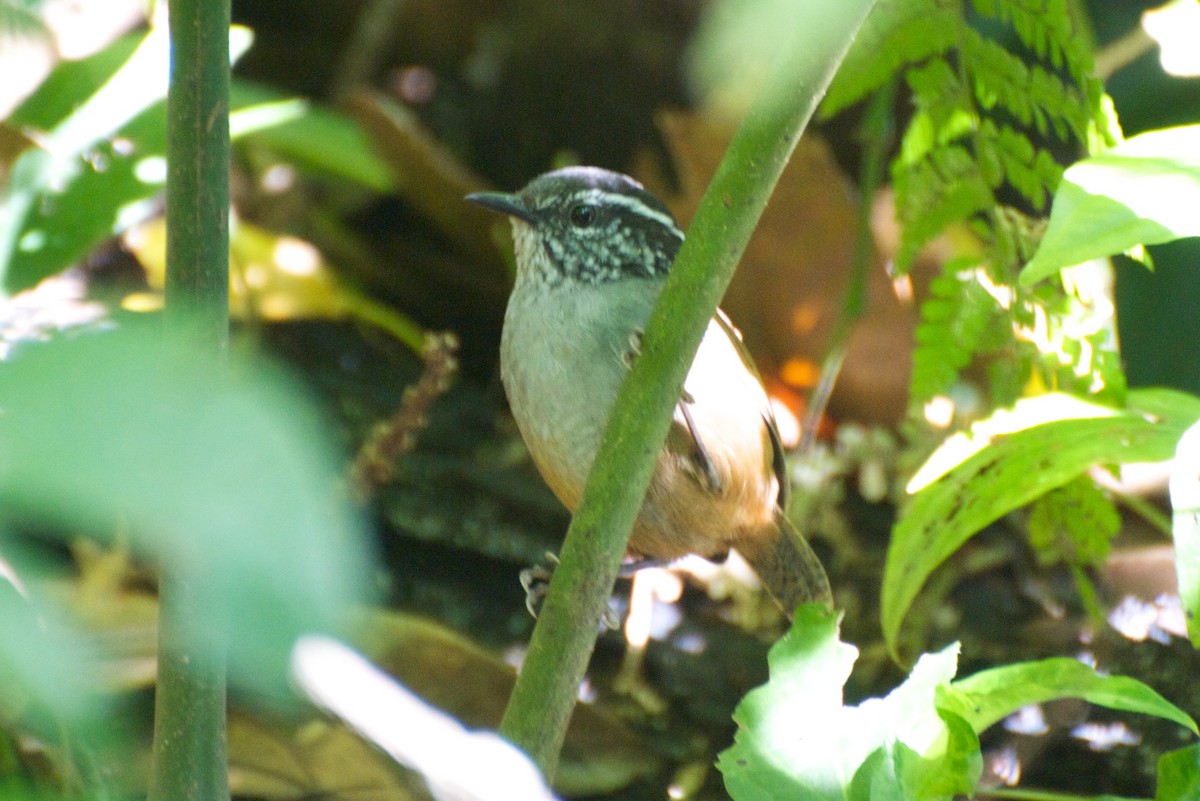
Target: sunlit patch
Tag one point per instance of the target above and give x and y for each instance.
(1025, 413)
(514, 656)
(688, 780)
(1176, 28)
(806, 317)
(121, 146)
(649, 585)
(902, 288)
(691, 643)
(786, 422)
(32, 241)
(151, 170)
(1139, 621)
(255, 275)
(1027, 720)
(296, 256)
(800, 373)
(278, 178)
(1002, 294)
(142, 302)
(939, 411)
(1106, 736)
(416, 84)
(1005, 765)
(277, 306)
(133, 214)
(97, 159)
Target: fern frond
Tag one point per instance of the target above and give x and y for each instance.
(1073, 524)
(958, 322)
(894, 36)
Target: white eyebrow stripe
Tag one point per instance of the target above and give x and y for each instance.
(638, 207)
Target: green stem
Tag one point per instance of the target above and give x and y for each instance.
(1147, 511)
(189, 750)
(1022, 794)
(876, 130)
(544, 696)
(197, 283)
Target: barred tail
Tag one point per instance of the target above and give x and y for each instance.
(788, 567)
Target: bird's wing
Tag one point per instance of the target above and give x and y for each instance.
(695, 435)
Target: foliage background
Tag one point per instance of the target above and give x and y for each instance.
(351, 243)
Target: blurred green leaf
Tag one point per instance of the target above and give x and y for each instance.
(98, 166)
(71, 84)
(40, 660)
(1185, 502)
(1007, 474)
(225, 480)
(992, 695)
(796, 739)
(1179, 775)
(319, 139)
(20, 17)
(103, 166)
(1144, 191)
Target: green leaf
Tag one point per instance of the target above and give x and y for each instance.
(1004, 476)
(797, 740)
(41, 654)
(71, 84)
(319, 139)
(1073, 524)
(101, 164)
(992, 695)
(1185, 503)
(1179, 775)
(224, 478)
(1144, 191)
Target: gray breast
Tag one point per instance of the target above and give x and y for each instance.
(562, 359)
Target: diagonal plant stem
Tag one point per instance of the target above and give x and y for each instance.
(189, 753)
(544, 696)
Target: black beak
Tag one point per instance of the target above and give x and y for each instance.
(512, 205)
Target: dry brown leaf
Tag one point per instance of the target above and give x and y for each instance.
(788, 290)
(600, 754)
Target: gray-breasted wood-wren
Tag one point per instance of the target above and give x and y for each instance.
(593, 249)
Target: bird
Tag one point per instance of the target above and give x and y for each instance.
(593, 249)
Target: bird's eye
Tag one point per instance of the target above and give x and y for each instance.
(583, 215)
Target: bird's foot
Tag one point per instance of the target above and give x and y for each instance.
(535, 580)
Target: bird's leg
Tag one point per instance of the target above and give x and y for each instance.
(535, 581)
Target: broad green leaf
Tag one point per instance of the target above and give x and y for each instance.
(1004, 476)
(98, 166)
(797, 740)
(61, 201)
(1144, 191)
(1185, 502)
(992, 695)
(1025, 413)
(71, 84)
(319, 139)
(1179, 775)
(224, 478)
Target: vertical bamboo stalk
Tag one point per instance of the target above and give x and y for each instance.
(189, 749)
